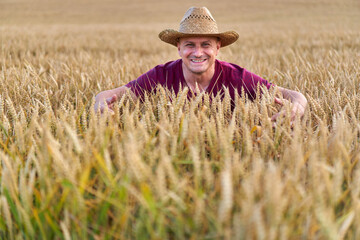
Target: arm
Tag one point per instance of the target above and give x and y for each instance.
(297, 99)
(110, 97)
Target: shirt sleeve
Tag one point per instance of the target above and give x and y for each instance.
(250, 83)
(147, 82)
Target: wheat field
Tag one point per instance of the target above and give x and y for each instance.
(180, 169)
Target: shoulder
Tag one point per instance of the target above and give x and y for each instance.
(163, 73)
(168, 66)
(238, 76)
(230, 71)
(230, 68)
(160, 70)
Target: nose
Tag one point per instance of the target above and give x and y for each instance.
(198, 51)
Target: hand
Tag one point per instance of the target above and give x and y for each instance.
(110, 103)
(296, 109)
(99, 103)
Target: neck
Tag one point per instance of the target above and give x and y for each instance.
(201, 79)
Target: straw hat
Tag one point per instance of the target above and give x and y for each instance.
(198, 22)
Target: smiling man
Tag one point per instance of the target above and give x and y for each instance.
(198, 42)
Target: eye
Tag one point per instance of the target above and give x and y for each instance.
(189, 45)
(206, 44)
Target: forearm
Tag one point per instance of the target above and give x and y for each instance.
(108, 97)
(109, 93)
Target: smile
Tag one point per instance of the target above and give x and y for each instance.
(198, 61)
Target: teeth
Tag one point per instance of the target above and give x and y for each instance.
(197, 61)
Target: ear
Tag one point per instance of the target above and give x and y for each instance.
(178, 47)
(218, 45)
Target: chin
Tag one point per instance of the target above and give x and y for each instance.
(198, 71)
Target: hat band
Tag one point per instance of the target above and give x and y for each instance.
(195, 16)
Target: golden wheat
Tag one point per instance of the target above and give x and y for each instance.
(173, 168)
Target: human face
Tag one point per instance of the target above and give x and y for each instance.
(198, 54)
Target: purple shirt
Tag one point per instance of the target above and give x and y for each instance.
(170, 76)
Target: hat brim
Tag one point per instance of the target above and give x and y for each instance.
(172, 37)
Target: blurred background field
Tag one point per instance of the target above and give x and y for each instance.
(177, 170)
(311, 13)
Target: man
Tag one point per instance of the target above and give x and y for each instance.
(198, 42)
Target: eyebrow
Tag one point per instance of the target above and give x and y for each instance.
(207, 41)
